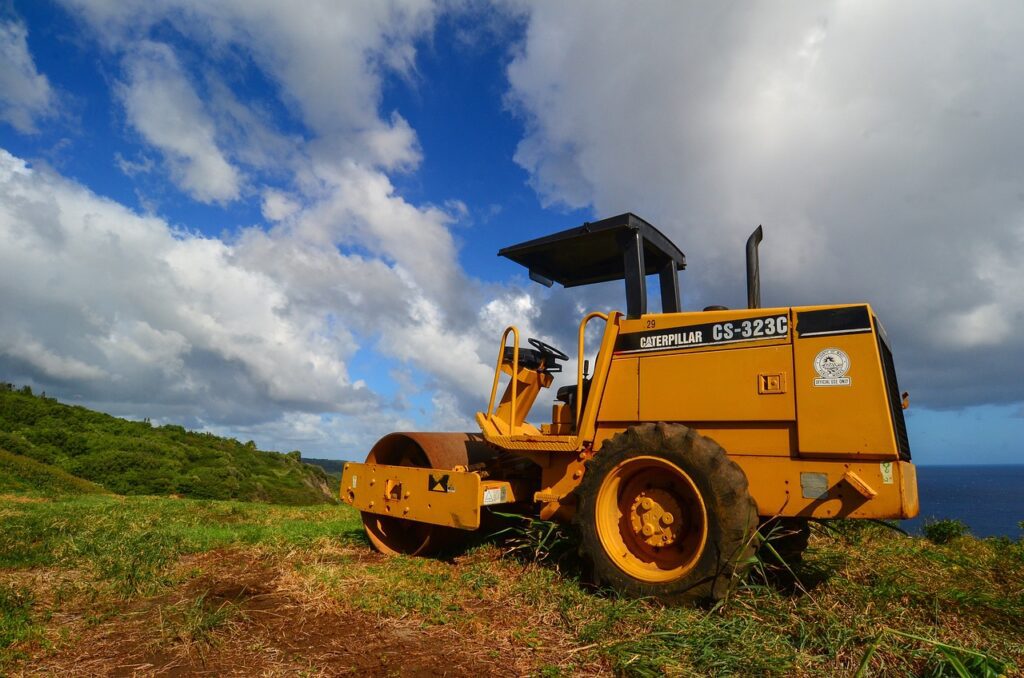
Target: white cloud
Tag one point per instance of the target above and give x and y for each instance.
(255, 335)
(25, 94)
(327, 59)
(878, 145)
(163, 106)
(133, 309)
(277, 205)
(255, 331)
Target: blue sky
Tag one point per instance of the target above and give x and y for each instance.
(283, 226)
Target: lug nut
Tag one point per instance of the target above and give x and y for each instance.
(667, 518)
(648, 530)
(647, 503)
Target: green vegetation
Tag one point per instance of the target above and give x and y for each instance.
(93, 578)
(25, 475)
(869, 599)
(15, 618)
(129, 457)
(129, 542)
(944, 531)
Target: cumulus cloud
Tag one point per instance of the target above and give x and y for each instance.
(878, 145)
(25, 94)
(162, 105)
(253, 335)
(327, 59)
(118, 306)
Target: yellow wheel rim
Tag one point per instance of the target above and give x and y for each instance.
(651, 519)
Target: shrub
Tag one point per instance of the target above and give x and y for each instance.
(944, 531)
(129, 457)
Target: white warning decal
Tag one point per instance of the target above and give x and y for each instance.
(495, 495)
(832, 364)
(886, 467)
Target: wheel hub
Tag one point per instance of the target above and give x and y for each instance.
(651, 518)
(655, 517)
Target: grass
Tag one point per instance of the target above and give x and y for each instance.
(875, 601)
(196, 620)
(16, 624)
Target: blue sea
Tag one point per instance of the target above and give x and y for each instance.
(990, 499)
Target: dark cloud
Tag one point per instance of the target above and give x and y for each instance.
(878, 145)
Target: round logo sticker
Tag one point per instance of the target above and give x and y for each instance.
(832, 364)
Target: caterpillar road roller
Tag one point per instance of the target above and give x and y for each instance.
(694, 427)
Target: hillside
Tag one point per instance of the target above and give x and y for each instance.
(23, 475)
(131, 457)
(328, 465)
(104, 585)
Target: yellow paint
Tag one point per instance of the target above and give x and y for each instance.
(775, 486)
(438, 497)
(845, 421)
(862, 488)
(621, 401)
(757, 398)
(505, 425)
(713, 386)
(651, 519)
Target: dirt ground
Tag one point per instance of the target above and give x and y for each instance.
(262, 622)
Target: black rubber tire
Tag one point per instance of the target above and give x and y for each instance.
(789, 538)
(731, 513)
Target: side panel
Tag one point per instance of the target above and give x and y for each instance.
(718, 386)
(728, 374)
(619, 402)
(842, 403)
(823, 488)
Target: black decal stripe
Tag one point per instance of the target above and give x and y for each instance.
(846, 320)
(706, 343)
(634, 342)
(858, 330)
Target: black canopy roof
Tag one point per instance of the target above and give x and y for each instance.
(624, 247)
(593, 252)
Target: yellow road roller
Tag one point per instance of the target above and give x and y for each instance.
(693, 428)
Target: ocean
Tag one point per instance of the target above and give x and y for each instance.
(990, 499)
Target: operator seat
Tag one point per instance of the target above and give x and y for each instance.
(567, 394)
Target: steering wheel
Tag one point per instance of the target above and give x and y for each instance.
(547, 348)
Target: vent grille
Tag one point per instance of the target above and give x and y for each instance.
(895, 402)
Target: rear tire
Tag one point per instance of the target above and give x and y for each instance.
(663, 512)
(789, 537)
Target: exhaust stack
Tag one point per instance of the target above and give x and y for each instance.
(754, 269)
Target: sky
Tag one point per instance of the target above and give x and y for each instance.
(282, 225)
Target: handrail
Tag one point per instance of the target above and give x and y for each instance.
(497, 374)
(579, 364)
